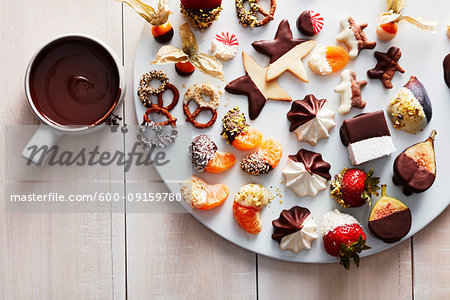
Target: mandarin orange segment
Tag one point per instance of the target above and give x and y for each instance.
(337, 57)
(220, 162)
(201, 195)
(248, 139)
(216, 194)
(247, 217)
(271, 151)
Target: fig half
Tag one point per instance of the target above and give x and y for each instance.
(390, 219)
(415, 167)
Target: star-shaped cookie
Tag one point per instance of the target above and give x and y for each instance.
(285, 53)
(254, 85)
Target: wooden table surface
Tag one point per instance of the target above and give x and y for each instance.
(159, 255)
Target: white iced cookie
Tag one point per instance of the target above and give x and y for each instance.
(306, 173)
(349, 91)
(353, 36)
(225, 46)
(295, 229)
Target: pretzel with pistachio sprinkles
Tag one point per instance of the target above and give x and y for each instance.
(144, 90)
(248, 18)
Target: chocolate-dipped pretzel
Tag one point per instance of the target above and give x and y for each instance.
(145, 90)
(190, 117)
(176, 97)
(162, 139)
(159, 110)
(195, 93)
(248, 18)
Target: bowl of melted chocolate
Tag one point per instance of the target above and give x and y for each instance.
(73, 84)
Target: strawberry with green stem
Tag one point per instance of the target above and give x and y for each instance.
(343, 237)
(353, 187)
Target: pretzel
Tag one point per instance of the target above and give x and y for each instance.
(162, 139)
(195, 93)
(159, 110)
(176, 96)
(144, 90)
(249, 18)
(190, 117)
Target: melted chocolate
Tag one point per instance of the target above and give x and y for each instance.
(282, 43)
(74, 82)
(313, 162)
(245, 86)
(305, 24)
(392, 228)
(364, 126)
(446, 64)
(304, 110)
(411, 176)
(290, 221)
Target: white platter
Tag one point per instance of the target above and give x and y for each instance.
(423, 54)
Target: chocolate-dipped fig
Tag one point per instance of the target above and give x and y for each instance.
(446, 65)
(410, 109)
(390, 219)
(415, 167)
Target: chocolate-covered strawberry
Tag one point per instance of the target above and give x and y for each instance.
(343, 237)
(390, 219)
(415, 167)
(353, 187)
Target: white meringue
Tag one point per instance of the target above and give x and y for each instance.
(317, 128)
(301, 239)
(303, 183)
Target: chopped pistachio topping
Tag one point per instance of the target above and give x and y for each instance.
(234, 123)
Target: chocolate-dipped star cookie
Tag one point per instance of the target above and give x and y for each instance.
(253, 84)
(386, 66)
(285, 52)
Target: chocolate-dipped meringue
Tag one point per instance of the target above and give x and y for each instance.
(307, 173)
(295, 229)
(311, 119)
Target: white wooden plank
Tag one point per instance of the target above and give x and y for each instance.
(172, 256)
(54, 255)
(386, 275)
(431, 260)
